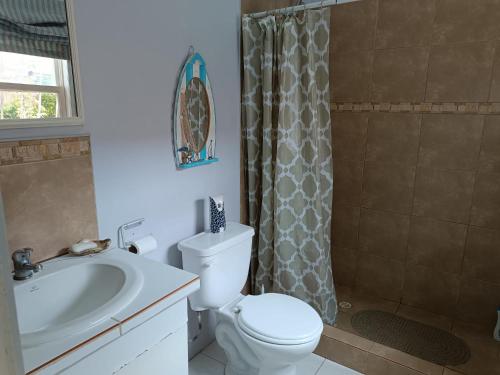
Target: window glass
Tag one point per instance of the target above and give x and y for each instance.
(36, 67)
(28, 105)
(27, 69)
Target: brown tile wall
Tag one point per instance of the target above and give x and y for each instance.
(417, 194)
(47, 188)
(250, 6)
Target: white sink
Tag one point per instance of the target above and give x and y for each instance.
(73, 295)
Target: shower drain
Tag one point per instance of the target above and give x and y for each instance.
(345, 305)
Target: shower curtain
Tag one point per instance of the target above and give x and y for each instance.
(288, 155)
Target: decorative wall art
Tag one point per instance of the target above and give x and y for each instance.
(194, 115)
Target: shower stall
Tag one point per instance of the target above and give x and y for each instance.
(415, 123)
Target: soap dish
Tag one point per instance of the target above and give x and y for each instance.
(88, 247)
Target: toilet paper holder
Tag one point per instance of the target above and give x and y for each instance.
(124, 240)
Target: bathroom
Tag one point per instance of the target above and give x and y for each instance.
(414, 93)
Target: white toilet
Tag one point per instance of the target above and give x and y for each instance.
(265, 334)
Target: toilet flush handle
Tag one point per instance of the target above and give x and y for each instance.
(208, 263)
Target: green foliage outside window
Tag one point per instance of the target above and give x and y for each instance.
(49, 105)
(27, 105)
(11, 111)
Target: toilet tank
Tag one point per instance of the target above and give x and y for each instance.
(221, 260)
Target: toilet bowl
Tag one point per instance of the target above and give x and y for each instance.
(267, 334)
(261, 335)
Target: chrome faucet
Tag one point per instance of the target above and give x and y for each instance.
(23, 268)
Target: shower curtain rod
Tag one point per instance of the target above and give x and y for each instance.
(297, 8)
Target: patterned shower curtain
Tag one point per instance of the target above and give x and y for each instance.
(288, 155)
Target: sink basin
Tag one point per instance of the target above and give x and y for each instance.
(72, 295)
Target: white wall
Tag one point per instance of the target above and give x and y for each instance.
(130, 53)
(10, 349)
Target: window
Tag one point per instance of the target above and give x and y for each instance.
(37, 69)
(33, 87)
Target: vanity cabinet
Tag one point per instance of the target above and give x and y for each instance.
(131, 316)
(156, 346)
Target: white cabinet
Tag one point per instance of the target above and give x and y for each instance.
(147, 335)
(157, 346)
(168, 357)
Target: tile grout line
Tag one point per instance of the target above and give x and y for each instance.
(209, 357)
(430, 47)
(492, 71)
(357, 250)
(204, 352)
(420, 216)
(215, 359)
(436, 107)
(368, 351)
(373, 52)
(469, 221)
(443, 44)
(477, 171)
(320, 366)
(412, 205)
(431, 44)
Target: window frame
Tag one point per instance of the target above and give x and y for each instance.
(62, 89)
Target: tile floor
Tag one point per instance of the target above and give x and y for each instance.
(342, 345)
(211, 361)
(345, 350)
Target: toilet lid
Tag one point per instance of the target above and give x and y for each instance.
(278, 319)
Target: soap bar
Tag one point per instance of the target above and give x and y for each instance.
(83, 246)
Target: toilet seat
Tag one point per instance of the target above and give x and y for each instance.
(278, 319)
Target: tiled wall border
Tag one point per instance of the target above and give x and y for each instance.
(453, 108)
(37, 150)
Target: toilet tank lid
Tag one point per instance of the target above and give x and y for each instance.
(206, 244)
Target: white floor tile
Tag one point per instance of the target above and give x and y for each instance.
(332, 368)
(212, 359)
(203, 365)
(310, 365)
(214, 351)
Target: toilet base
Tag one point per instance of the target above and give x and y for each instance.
(288, 370)
(239, 355)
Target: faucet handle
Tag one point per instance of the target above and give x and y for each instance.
(22, 256)
(23, 268)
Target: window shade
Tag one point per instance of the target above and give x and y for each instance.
(35, 27)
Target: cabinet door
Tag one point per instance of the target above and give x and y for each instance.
(169, 357)
(165, 332)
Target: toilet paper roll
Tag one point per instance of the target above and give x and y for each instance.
(143, 245)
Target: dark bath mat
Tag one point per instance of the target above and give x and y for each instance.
(417, 339)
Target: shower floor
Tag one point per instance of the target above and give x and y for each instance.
(343, 345)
